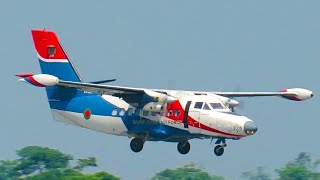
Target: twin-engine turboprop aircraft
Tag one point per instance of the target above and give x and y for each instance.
(140, 113)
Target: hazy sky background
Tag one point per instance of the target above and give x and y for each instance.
(196, 45)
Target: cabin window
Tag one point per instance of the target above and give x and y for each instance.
(206, 107)
(177, 113)
(170, 112)
(198, 105)
(130, 111)
(137, 112)
(122, 112)
(145, 113)
(153, 113)
(216, 106)
(114, 112)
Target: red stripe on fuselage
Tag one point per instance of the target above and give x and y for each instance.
(192, 122)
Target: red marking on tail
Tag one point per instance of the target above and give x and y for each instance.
(44, 40)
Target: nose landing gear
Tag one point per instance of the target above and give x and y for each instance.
(219, 149)
(183, 147)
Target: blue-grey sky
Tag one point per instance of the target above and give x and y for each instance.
(195, 45)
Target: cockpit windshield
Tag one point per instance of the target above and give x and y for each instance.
(216, 105)
(206, 107)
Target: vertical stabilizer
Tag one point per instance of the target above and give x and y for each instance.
(52, 58)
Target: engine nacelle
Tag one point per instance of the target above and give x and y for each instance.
(155, 107)
(228, 101)
(40, 80)
(299, 94)
(159, 97)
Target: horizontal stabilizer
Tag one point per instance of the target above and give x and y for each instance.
(103, 81)
(24, 75)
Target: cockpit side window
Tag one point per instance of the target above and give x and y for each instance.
(206, 107)
(216, 106)
(198, 105)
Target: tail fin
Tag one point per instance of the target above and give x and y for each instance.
(52, 58)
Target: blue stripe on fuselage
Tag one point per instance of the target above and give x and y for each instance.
(74, 100)
(81, 101)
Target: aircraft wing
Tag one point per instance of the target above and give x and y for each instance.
(129, 94)
(297, 94)
(253, 94)
(101, 88)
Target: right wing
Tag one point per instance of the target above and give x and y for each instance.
(296, 94)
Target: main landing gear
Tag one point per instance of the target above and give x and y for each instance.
(183, 147)
(219, 149)
(136, 144)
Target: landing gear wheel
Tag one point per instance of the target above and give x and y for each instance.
(183, 147)
(136, 144)
(218, 150)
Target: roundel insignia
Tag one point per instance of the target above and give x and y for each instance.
(87, 114)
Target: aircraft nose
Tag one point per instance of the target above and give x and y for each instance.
(250, 128)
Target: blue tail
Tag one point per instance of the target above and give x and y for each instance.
(54, 61)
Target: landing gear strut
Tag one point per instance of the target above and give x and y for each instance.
(219, 149)
(136, 144)
(183, 147)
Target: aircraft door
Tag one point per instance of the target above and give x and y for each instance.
(191, 118)
(194, 122)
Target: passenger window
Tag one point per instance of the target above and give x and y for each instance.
(170, 113)
(114, 112)
(198, 105)
(153, 113)
(122, 112)
(130, 111)
(177, 113)
(206, 107)
(216, 106)
(145, 113)
(137, 112)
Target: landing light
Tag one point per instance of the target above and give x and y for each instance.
(250, 132)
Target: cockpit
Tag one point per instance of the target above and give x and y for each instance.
(208, 103)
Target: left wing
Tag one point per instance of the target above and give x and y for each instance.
(100, 88)
(129, 94)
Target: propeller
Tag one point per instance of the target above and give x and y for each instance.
(232, 103)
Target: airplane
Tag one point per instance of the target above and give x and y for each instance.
(141, 114)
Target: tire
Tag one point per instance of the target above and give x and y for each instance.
(218, 150)
(183, 147)
(136, 144)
